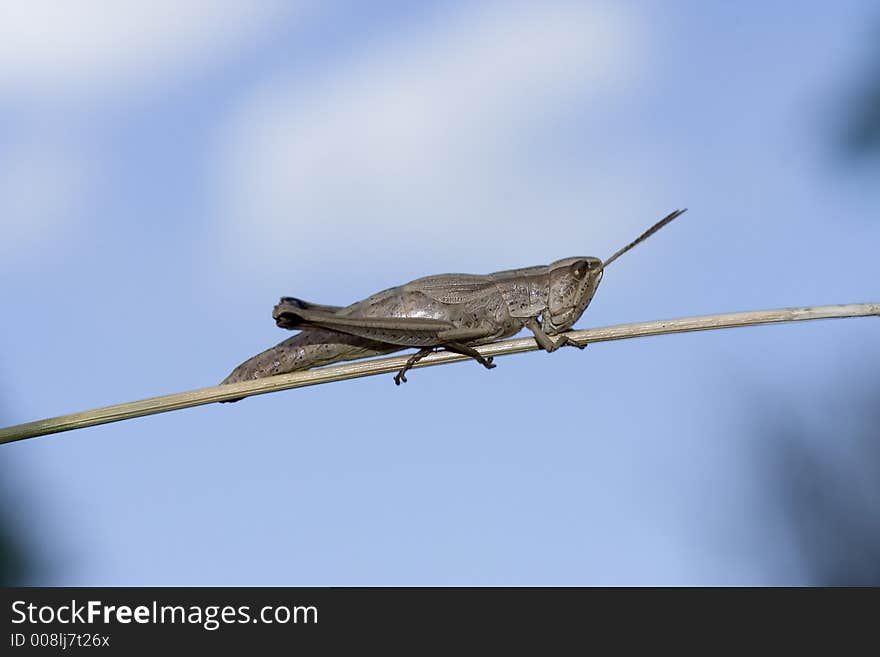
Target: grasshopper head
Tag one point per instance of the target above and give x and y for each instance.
(573, 282)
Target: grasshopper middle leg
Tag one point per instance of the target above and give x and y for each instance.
(400, 377)
(464, 350)
(456, 347)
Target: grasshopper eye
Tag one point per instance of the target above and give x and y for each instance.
(580, 269)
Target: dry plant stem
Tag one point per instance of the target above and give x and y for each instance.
(393, 364)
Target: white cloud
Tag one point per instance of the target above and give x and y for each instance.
(100, 51)
(53, 47)
(426, 136)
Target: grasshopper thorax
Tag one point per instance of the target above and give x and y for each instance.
(573, 282)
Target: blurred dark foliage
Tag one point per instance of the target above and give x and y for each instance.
(14, 568)
(826, 488)
(861, 132)
(863, 136)
(832, 506)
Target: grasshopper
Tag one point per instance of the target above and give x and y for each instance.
(455, 312)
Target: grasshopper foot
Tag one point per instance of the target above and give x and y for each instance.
(548, 343)
(564, 341)
(470, 351)
(400, 377)
(571, 343)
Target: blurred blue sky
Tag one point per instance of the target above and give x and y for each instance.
(169, 169)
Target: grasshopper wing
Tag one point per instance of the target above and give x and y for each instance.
(452, 288)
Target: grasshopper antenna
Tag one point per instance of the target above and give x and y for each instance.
(641, 238)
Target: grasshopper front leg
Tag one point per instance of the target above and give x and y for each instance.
(546, 342)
